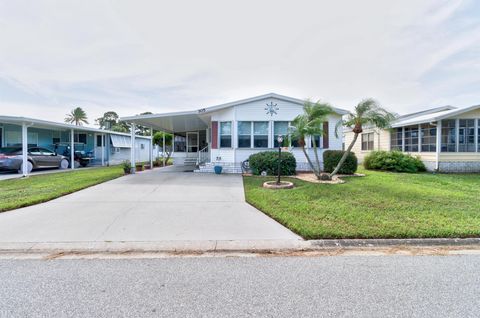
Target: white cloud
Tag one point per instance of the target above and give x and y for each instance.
(134, 56)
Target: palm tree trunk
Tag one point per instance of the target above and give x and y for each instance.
(309, 161)
(345, 155)
(316, 154)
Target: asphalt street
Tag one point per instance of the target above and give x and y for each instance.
(333, 286)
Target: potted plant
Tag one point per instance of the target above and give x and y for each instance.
(217, 169)
(139, 167)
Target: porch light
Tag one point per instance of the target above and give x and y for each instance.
(280, 141)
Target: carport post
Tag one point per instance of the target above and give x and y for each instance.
(103, 150)
(72, 149)
(151, 147)
(132, 148)
(24, 150)
(163, 150)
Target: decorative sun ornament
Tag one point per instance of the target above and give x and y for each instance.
(271, 109)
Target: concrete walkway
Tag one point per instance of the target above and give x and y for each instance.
(161, 205)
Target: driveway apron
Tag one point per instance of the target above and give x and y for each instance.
(161, 205)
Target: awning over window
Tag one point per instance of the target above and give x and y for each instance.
(119, 141)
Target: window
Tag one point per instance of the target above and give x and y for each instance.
(428, 135)
(35, 151)
(478, 135)
(317, 139)
(244, 134)
(46, 152)
(142, 146)
(260, 134)
(226, 134)
(180, 143)
(449, 135)
(466, 135)
(280, 128)
(396, 140)
(367, 141)
(80, 138)
(55, 140)
(411, 139)
(99, 140)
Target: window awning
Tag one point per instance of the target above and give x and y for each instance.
(119, 141)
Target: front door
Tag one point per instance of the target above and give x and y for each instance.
(192, 144)
(99, 145)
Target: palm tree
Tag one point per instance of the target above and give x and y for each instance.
(367, 112)
(310, 123)
(77, 116)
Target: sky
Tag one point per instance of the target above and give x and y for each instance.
(163, 56)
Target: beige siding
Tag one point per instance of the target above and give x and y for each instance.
(459, 156)
(381, 141)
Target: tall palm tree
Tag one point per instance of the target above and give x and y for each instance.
(310, 123)
(367, 112)
(77, 116)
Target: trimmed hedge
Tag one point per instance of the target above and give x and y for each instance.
(393, 161)
(331, 158)
(268, 161)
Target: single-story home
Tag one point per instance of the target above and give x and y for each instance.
(229, 133)
(104, 146)
(446, 139)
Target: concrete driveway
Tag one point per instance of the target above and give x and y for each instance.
(161, 205)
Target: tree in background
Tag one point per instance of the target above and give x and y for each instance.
(77, 116)
(158, 140)
(109, 121)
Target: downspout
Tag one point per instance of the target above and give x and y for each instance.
(72, 149)
(132, 148)
(151, 148)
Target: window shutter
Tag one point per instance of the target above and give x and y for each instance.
(214, 134)
(326, 134)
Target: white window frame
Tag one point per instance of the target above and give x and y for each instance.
(253, 134)
(220, 134)
(250, 135)
(367, 134)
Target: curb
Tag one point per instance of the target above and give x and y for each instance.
(254, 246)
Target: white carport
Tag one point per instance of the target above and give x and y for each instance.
(119, 139)
(168, 122)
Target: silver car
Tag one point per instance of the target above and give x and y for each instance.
(11, 159)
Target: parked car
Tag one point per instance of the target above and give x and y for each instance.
(11, 159)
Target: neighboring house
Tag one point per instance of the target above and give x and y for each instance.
(228, 134)
(446, 138)
(107, 147)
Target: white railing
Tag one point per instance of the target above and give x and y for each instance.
(203, 156)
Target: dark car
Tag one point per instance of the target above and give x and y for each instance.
(11, 159)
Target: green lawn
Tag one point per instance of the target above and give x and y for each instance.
(16, 193)
(380, 205)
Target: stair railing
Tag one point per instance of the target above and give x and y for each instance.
(203, 156)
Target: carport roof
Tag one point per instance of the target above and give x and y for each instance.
(45, 124)
(198, 119)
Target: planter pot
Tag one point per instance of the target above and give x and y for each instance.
(147, 167)
(217, 169)
(139, 168)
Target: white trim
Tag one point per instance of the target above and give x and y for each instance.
(132, 148)
(72, 149)
(457, 133)
(219, 134)
(439, 145)
(24, 149)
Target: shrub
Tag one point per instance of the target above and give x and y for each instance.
(126, 165)
(268, 161)
(393, 161)
(332, 157)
